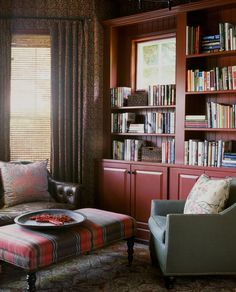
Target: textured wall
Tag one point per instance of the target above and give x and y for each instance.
(96, 10)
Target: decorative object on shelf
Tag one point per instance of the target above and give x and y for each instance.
(139, 98)
(151, 154)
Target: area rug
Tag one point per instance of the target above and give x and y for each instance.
(106, 270)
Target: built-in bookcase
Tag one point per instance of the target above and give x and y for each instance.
(211, 80)
(205, 75)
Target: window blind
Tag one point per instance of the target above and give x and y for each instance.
(30, 131)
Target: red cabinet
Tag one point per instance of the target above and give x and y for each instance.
(129, 188)
(114, 187)
(181, 182)
(147, 182)
(182, 179)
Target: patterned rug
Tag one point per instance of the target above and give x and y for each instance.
(106, 270)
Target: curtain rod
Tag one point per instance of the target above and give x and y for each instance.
(89, 18)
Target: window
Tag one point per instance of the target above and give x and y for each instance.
(155, 62)
(30, 132)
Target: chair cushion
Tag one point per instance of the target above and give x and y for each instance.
(208, 196)
(24, 183)
(157, 226)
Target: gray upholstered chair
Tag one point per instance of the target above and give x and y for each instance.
(187, 244)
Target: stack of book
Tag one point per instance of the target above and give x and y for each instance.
(196, 121)
(229, 160)
(136, 128)
(210, 43)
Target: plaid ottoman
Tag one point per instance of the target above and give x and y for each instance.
(35, 249)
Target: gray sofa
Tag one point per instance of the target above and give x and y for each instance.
(190, 244)
(65, 196)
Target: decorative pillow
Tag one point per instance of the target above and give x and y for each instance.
(208, 196)
(24, 183)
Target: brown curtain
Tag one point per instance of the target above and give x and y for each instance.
(69, 89)
(5, 79)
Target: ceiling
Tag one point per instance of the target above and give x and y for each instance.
(126, 7)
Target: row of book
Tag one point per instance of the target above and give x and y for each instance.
(151, 123)
(223, 78)
(218, 116)
(206, 153)
(131, 149)
(162, 94)
(223, 40)
(119, 96)
(221, 115)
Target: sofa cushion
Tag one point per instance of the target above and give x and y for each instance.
(7, 215)
(208, 196)
(157, 226)
(24, 183)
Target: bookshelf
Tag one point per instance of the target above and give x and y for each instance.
(165, 180)
(210, 79)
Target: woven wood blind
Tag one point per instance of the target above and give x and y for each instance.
(30, 131)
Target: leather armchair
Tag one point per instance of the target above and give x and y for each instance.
(64, 196)
(192, 244)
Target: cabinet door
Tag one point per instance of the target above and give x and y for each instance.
(114, 187)
(182, 181)
(147, 183)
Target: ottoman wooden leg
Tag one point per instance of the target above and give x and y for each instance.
(31, 279)
(130, 244)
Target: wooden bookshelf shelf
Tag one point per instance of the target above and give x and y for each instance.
(214, 54)
(143, 134)
(210, 92)
(148, 107)
(211, 129)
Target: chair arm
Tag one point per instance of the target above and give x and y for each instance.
(164, 207)
(184, 231)
(65, 192)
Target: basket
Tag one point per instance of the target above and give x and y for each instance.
(137, 99)
(151, 154)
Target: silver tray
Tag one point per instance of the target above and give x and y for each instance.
(25, 221)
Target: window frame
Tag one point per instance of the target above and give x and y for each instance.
(134, 53)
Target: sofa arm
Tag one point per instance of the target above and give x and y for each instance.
(64, 192)
(165, 207)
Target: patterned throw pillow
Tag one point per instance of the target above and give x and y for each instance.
(24, 183)
(208, 196)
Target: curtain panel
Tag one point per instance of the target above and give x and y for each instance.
(5, 79)
(69, 90)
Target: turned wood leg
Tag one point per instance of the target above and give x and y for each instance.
(169, 282)
(130, 250)
(31, 279)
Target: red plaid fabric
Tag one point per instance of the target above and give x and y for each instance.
(33, 249)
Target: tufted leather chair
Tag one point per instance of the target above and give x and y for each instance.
(64, 196)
